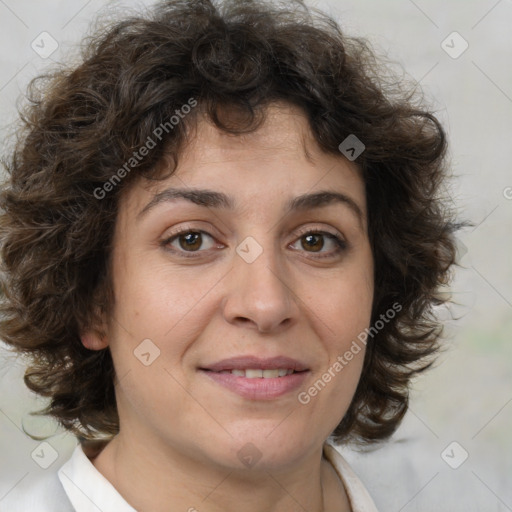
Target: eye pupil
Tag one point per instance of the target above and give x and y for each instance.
(192, 240)
(312, 242)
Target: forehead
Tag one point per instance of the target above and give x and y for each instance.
(285, 128)
(281, 156)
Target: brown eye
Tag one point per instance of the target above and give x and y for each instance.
(189, 241)
(316, 241)
(313, 242)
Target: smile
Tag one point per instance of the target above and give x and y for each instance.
(255, 378)
(259, 374)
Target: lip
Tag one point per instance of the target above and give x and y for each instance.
(258, 388)
(253, 362)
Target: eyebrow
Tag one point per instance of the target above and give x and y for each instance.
(213, 199)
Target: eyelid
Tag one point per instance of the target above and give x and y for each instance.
(186, 228)
(322, 230)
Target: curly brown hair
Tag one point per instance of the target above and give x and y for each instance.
(82, 124)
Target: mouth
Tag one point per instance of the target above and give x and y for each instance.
(253, 364)
(256, 378)
(258, 373)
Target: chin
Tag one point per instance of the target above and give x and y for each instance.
(269, 448)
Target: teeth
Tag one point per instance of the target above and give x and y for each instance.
(253, 374)
(259, 374)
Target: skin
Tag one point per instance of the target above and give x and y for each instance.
(180, 432)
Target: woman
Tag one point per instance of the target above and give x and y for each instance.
(222, 240)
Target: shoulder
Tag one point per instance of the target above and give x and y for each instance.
(77, 486)
(39, 492)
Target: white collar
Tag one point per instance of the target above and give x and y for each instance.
(358, 496)
(89, 491)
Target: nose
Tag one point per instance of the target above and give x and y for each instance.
(260, 295)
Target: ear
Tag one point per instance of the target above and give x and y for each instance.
(94, 341)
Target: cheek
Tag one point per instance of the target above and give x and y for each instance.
(168, 306)
(344, 313)
(343, 308)
(152, 295)
(344, 305)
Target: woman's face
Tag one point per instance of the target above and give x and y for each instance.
(210, 284)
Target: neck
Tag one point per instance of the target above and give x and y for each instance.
(161, 479)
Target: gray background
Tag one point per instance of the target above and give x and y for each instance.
(467, 398)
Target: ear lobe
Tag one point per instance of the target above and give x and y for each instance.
(93, 341)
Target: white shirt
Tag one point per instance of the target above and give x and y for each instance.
(79, 487)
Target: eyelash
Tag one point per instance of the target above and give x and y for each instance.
(341, 244)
